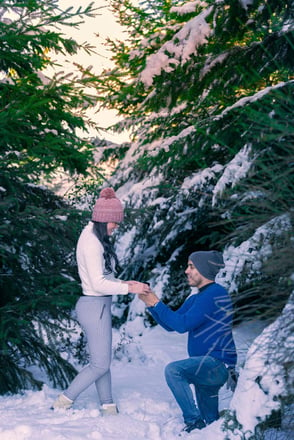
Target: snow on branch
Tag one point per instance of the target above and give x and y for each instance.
(252, 98)
(185, 42)
(187, 8)
(264, 380)
(252, 252)
(198, 181)
(234, 171)
(136, 151)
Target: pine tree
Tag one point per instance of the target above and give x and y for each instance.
(205, 89)
(39, 119)
(40, 114)
(39, 285)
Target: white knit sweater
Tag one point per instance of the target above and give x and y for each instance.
(91, 267)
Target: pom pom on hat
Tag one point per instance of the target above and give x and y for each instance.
(107, 193)
(208, 263)
(108, 207)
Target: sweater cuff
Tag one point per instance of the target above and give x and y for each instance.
(154, 306)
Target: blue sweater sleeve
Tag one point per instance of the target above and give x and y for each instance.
(188, 317)
(155, 315)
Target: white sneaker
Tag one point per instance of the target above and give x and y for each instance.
(62, 402)
(108, 409)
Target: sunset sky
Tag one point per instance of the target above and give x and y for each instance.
(94, 31)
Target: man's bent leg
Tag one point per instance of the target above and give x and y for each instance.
(179, 375)
(209, 377)
(207, 401)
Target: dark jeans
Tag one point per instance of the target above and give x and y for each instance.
(208, 375)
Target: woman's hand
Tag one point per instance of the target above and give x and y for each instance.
(138, 288)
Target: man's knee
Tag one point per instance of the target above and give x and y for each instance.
(171, 370)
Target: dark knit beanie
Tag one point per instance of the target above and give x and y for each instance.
(208, 263)
(108, 208)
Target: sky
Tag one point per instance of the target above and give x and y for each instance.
(94, 31)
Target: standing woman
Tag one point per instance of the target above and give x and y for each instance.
(97, 261)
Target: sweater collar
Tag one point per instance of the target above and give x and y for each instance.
(205, 287)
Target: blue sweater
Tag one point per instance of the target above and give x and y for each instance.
(207, 317)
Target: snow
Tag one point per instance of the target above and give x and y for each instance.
(62, 218)
(147, 408)
(185, 42)
(246, 3)
(199, 180)
(234, 171)
(187, 8)
(265, 379)
(252, 98)
(211, 62)
(252, 252)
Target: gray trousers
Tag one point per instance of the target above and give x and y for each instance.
(94, 316)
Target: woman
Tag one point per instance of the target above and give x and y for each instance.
(97, 261)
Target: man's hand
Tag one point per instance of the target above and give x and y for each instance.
(150, 299)
(138, 288)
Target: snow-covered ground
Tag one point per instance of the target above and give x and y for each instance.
(147, 408)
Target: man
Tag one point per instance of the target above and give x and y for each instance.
(207, 317)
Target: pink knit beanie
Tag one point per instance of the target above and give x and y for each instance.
(108, 208)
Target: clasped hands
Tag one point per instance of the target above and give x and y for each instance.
(144, 292)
